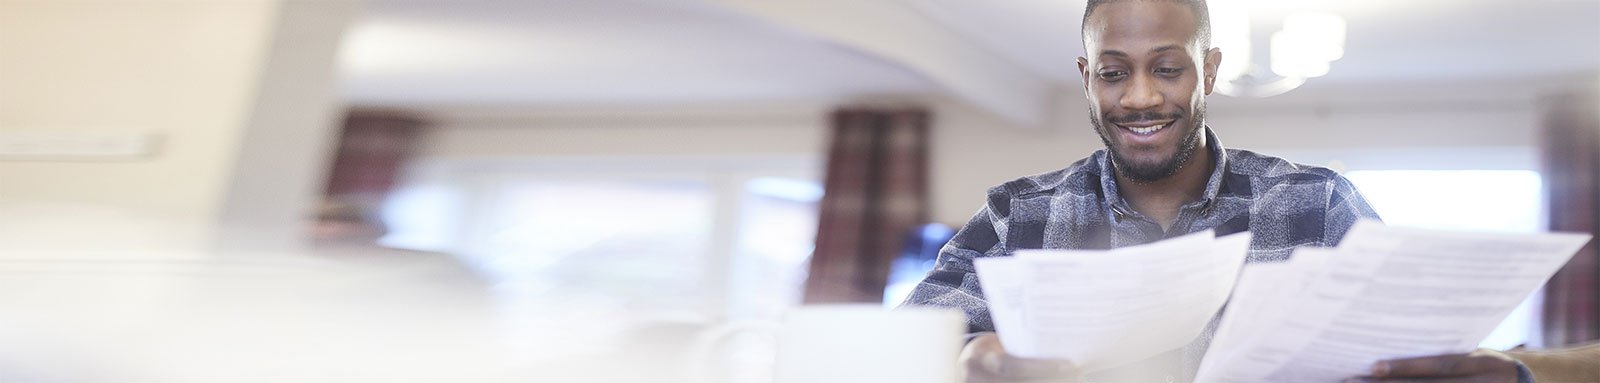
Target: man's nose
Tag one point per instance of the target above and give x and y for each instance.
(1142, 94)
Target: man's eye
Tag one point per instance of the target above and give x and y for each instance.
(1113, 75)
(1169, 71)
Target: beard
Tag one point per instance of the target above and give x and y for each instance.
(1159, 170)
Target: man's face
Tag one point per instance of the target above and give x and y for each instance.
(1146, 78)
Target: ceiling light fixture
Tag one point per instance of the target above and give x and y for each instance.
(1305, 48)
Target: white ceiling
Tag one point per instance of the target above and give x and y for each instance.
(1388, 40)
(595, 52)
(684, 51)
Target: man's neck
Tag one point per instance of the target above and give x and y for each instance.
(1161, 199)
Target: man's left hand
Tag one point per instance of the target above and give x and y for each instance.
(1482, 366)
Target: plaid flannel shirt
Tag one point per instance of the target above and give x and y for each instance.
(1283, 204)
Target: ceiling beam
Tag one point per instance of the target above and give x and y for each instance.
(898, 33)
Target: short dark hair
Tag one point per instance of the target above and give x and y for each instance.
(1202, 16)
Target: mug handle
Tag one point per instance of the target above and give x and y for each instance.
(705, 345)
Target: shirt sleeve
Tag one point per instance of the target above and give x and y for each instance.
(953, 282)
(1524, 375)
(1345, 207)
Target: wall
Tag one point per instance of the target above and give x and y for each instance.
(692, 131)
(1439, 126)
(184, 70)
(286, 150)
(1354, 127)
(235, 91)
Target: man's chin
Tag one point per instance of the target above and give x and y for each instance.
(1145, 169)
(1144, 160)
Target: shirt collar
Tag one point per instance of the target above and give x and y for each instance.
(1113, 196)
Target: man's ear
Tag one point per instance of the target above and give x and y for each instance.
(1212, 62)
(1083, 69)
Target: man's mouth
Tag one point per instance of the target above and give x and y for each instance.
(1145, 128)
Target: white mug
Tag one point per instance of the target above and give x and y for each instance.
(852, 344)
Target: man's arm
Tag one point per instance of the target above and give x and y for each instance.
(954, 282)
(1576, 364)
(1345, 207)
(1567, 365)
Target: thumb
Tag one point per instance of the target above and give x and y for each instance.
(1028, 368)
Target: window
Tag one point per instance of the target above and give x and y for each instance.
(605, 250)
(1489, 200)
(777, 232)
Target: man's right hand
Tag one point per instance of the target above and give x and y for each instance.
(984, 360)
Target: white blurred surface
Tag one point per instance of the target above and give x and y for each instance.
(291, 319)
(96, 295)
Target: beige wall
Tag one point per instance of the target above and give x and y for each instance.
(973, 151)
(730, 130)
(186, 71)
(1434, 128)
(189, 72)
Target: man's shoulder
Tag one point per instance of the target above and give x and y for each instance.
(1081, 177)
(1268, 170)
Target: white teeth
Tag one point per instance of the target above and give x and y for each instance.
(1148, 129)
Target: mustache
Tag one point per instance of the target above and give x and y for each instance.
(1143, 116)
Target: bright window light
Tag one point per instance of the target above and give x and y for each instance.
(1483, 200)
(422, 218)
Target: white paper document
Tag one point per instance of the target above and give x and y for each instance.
(1101, 309)
(1384, 293)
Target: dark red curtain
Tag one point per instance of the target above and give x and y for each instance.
(1571, 152)
(373, 146)
(876, 192)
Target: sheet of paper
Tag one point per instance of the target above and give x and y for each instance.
(1002, 280)
(1265, 293)
(1101, 309)
(1386, 292)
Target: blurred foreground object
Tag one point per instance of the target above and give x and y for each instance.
(862, 343)
(136, 308)
(246, 319)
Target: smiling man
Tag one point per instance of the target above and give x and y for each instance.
(1163, 173)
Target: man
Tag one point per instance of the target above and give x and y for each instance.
(1162, 174)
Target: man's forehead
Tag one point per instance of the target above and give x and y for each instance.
(1136, 26)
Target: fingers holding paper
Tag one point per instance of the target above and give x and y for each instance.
(986, 361)
(1482, 366)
